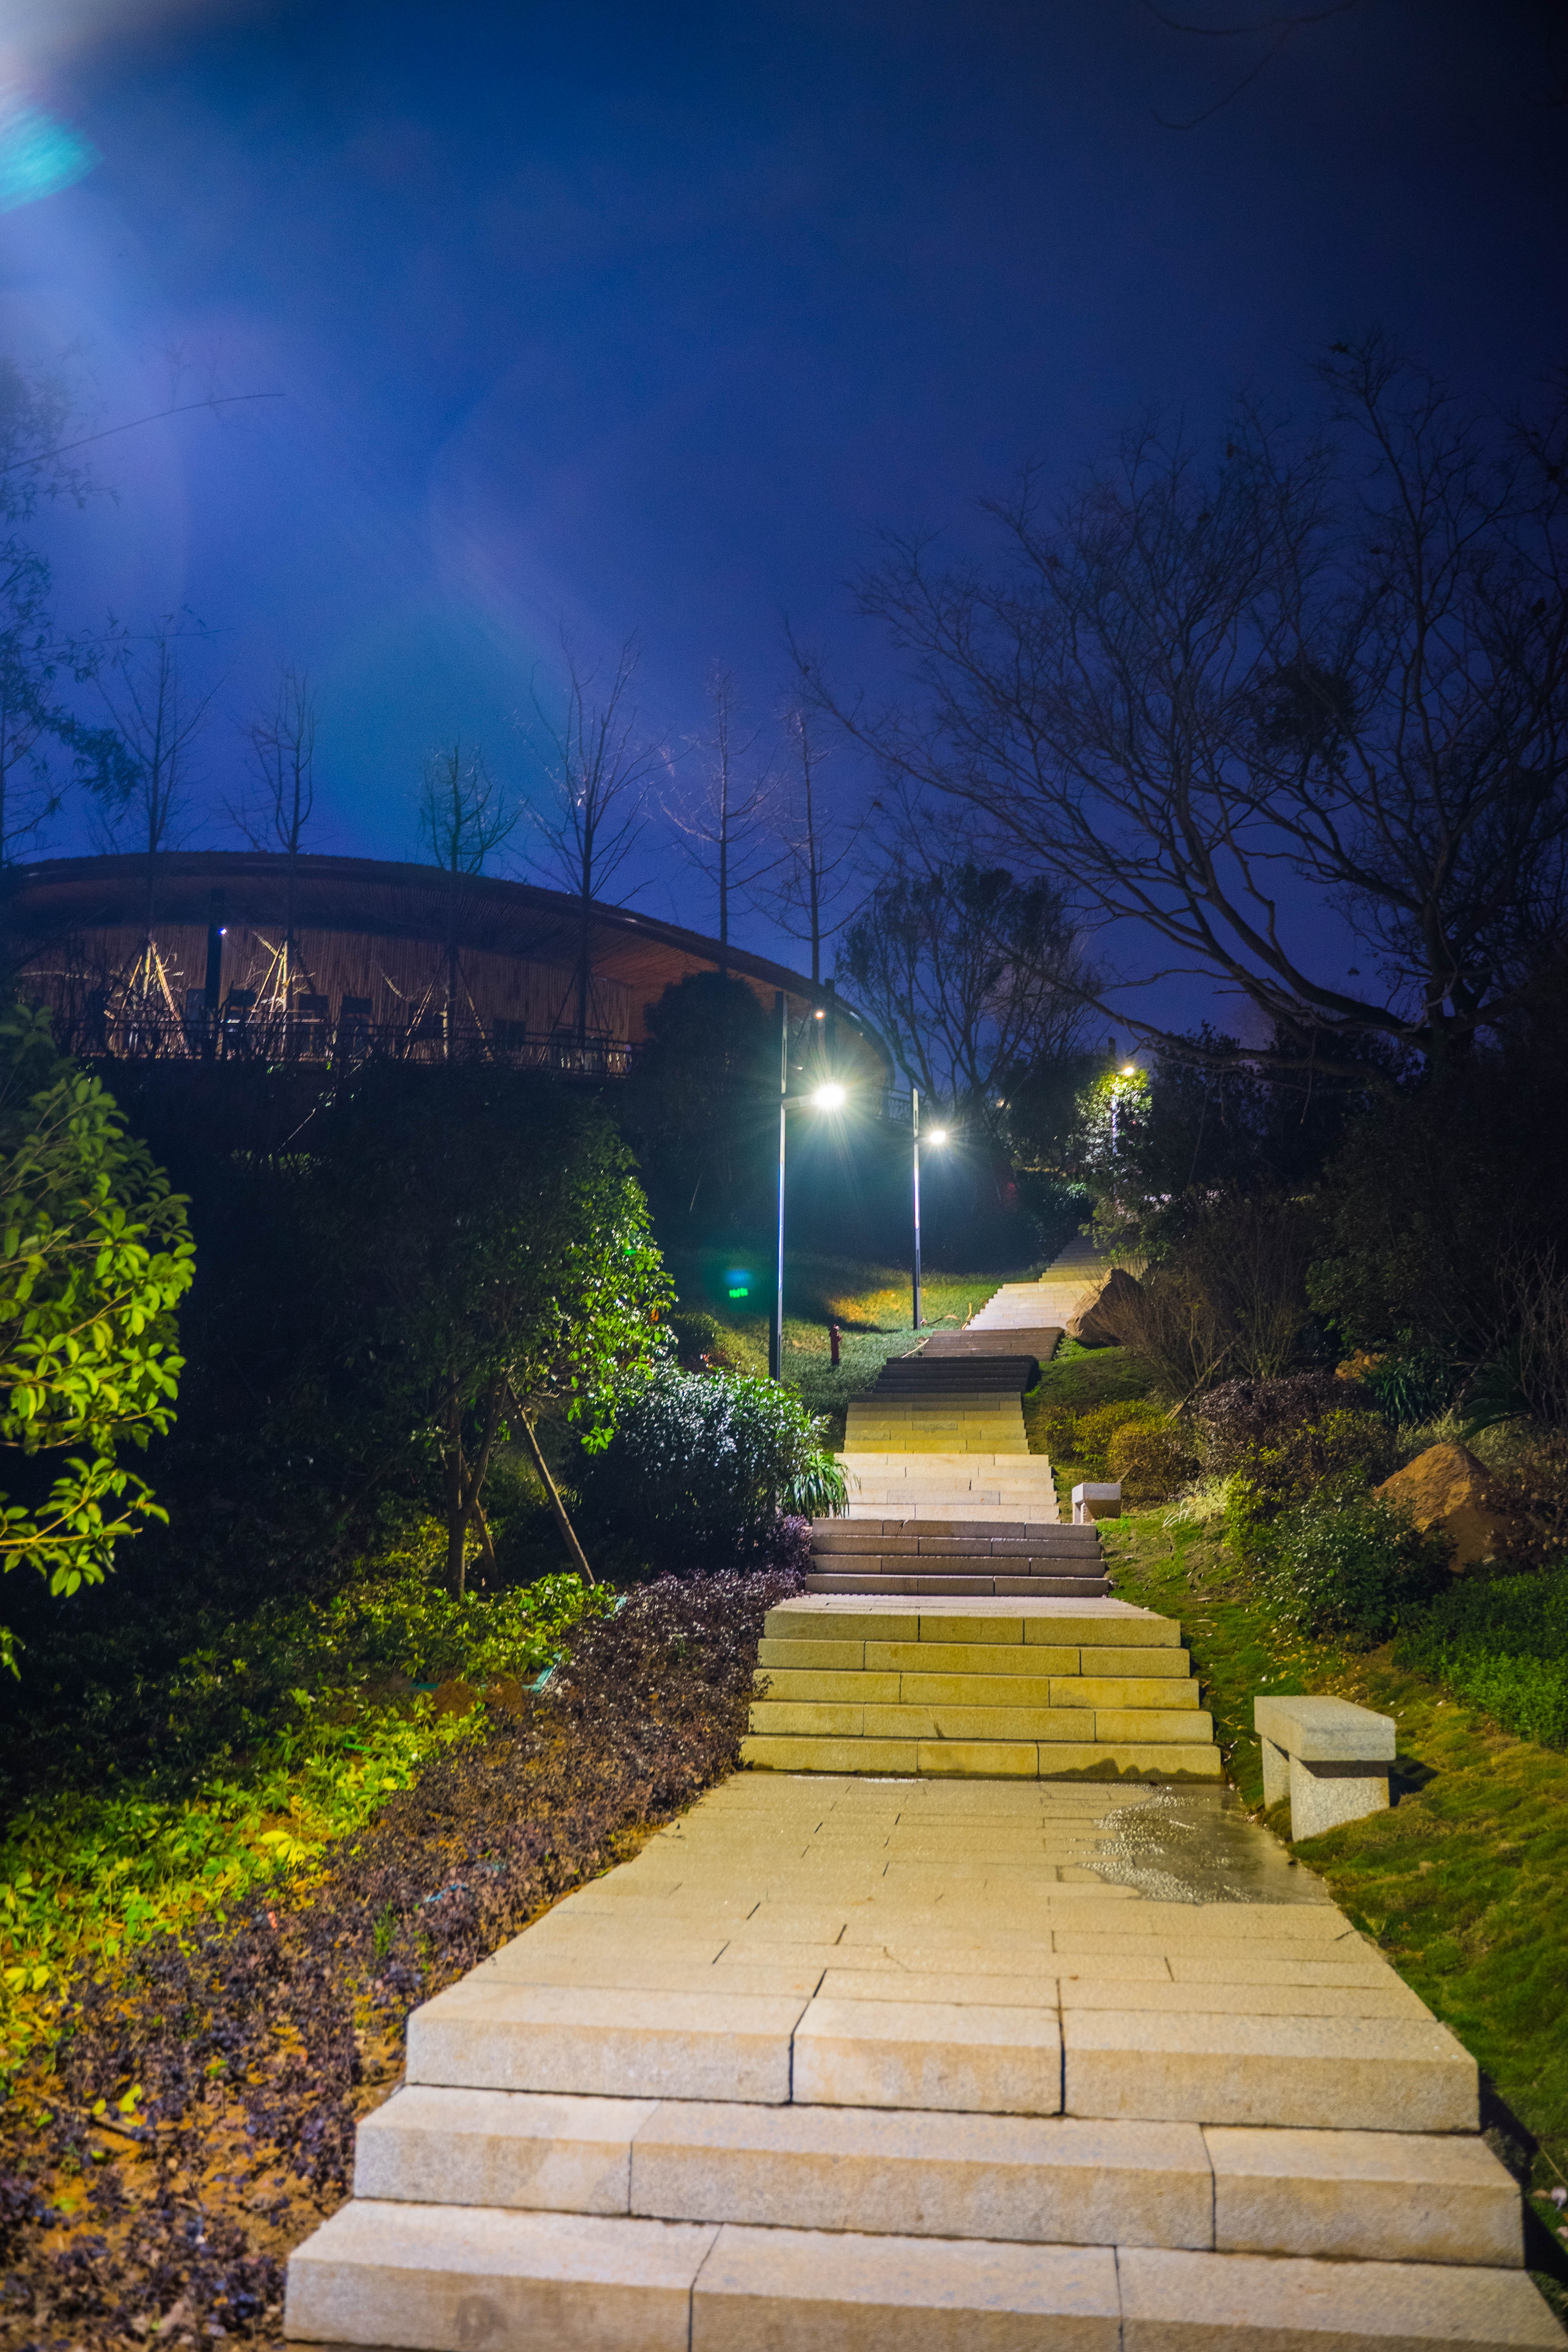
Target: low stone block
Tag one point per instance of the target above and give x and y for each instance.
(1220, 1998)
(798, 1621)
(1141, 1760)
(1128, 1690)
(1021, 2178)
(835, 1657)
(1323, 1796)
(489, 2035)
(808, 1720)
(1316, 2074)
(988, 1723)
(799, 2291)
(982, 1758)
(1120, 1725)
(824, 1686)
(1392, 2197)
(457, 2276)
(512, 2148)
(771, 1753)
(1325, 1730)
(978, 1632)
(1131, 1631)
(1176, 2302)
(951, 1989)
(991, 1660)
(973, 1689)
(979, 2059)
(634, 1972)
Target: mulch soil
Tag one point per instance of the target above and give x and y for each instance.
(254, 2045)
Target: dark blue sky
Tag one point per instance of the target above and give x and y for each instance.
(645, 319)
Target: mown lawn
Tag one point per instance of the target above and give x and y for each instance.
(872, 1305)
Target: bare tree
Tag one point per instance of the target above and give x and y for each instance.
(38, 729)
(1210, 697)
(464, 818)
(600, 769)
(280, 806)
(722, 825)
(817, 865)
(972, 978)
(156, 720)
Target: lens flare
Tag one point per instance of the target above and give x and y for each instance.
(38, 157)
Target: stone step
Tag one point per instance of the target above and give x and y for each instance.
(988, 1530)
(1118, 1627)
(1375, 2196)
(984, 1759)
(1010, 1586)
(1060, 1720)
(383, 2273)
(886, 1686)
(998, 1662)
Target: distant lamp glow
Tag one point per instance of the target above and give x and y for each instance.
(1130, 1069)
(819, 1015)
(937, 1135)
(830, 1097)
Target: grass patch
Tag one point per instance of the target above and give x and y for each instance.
(872, 1305)
(1464, 1883)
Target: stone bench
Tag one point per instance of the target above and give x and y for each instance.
(1091, 1502)
(1330, 1757)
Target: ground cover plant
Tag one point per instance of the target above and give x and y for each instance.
(338, 1704)
(1460, 1884)
(199, 2117)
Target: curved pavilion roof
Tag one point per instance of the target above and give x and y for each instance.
(56, 901)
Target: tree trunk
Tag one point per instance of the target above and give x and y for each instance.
(556, 1505)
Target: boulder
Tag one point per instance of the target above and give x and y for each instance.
(1092, 1326)
(1447, 1487)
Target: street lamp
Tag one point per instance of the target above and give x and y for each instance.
(829, 1096)
(937, 1135)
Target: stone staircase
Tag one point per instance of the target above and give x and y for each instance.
(943, 2046)
(1038, 1690)
(980, 1558)
(840, 2066)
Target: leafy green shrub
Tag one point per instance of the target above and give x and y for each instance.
(1501, 1643)
(1534, 1489)
(702, 1469)
(1352, 1565)
(1238, 1420)
(1344, 1450)
(1092, 1432)
(1152, 1459)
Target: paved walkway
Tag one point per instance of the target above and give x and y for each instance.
(838, 2064)
(947, 2053)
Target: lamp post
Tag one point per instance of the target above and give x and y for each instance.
(937, 1135)
(827, 1096)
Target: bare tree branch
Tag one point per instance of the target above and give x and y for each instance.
(601, 770)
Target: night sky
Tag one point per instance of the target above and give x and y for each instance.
(647, 319)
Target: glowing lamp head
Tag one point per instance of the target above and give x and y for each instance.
(937, 1135)
(829, 1098)
(819, 1015)
(1130, 1069)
